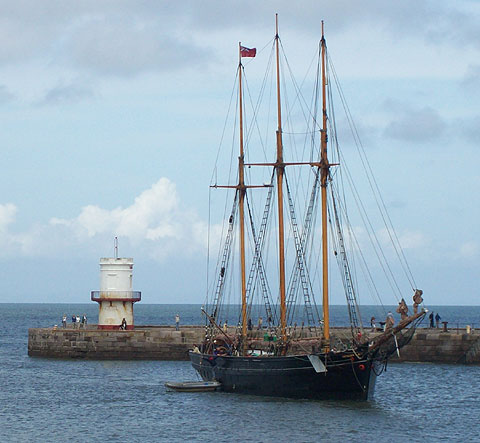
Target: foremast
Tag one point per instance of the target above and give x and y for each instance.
(280, 170)
(324, 174)
(242, 189)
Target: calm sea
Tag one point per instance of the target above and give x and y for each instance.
(59, 400)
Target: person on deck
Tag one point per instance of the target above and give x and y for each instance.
(403, 309)
(225, 327)
(260, 323)
(390, 321)
(249, 324)
(431, 319)
(373, 324)
(437, 319)
(417, 299)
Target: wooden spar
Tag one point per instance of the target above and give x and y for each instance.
(213, 323)
(385, 336)
(280, 168)
(241, 206)
(323, 181)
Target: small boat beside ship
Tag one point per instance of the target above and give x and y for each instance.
(193, 386)
(291, 352)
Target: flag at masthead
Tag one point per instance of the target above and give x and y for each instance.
(247, 52)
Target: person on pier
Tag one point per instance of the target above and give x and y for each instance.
(177, 322)
(437, 319)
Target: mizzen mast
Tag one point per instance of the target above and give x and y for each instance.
(324, 173)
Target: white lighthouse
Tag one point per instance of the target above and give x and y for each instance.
(116, 296)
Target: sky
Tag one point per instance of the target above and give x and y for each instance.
(111, 114)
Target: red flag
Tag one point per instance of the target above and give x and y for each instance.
(247, 52)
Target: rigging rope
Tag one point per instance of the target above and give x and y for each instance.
(374, 185)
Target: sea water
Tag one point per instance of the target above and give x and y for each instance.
(77, 400)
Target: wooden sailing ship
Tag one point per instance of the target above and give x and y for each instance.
(284, 358)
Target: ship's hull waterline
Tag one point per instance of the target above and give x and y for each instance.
(289, 376)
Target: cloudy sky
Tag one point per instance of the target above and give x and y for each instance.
(112, 112)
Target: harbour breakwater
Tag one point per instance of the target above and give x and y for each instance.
(142, 343)
(166, 343)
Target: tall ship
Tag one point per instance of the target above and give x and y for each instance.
(277, 241)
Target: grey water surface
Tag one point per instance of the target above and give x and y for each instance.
(59, 400)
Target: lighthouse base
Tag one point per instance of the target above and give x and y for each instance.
(112, 313)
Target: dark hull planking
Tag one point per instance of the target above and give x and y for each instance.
(290, 376)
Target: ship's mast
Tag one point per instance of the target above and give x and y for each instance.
(280, 169)
(241, 188)
(279, 166)
(324, 168)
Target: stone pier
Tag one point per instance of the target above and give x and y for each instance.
(434, 346)
(141, 343)
(165, 343)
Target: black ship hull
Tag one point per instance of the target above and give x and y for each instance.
(345, 377)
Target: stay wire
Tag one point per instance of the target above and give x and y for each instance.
(374, 186)
(371, 233)
(363, 262)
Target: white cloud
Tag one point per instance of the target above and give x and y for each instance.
(471, 79)
(412, 240)
(155, 224)
(14, 244)
(67, 94)
(415, 125)
(155, 219)
(125, 37)
(5, 95)
(469, 129)
(469, 250)
(7, 216)
(154, 214)
(125, 46)
(409, 240)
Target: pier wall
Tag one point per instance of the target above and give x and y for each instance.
(143, 343)
(430, 345)
(165, 343)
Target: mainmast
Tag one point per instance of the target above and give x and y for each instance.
(241, 188)
(324, 173)
(280, 169)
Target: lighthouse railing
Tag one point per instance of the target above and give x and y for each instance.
(131, 296)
